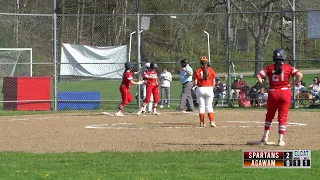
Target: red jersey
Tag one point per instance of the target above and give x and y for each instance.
(278, 81)
(126, 79)
(198, 77)
(151, 78)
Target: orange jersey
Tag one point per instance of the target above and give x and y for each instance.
(198, 77)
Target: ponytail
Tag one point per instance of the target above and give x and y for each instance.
(205, 70)
(278, 68)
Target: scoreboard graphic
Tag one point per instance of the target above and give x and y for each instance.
(276, 159)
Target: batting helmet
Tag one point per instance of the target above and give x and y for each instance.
(153, 66)
(203, 58)
(279, 54)
(147, 65)
(128, 65)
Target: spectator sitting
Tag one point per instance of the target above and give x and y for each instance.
(255, 91)
(302, 95)
(299, 88)
(243, 99)
(219, 91)
(315, 87)
(262, 98)
(237, 85)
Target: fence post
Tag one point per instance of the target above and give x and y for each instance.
(138, 50)
(294, 46)
(55, 54)
(228, 53)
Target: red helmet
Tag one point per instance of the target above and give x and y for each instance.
(203, 58)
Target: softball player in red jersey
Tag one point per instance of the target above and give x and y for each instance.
(150, 104)
(279, 94)
(127, 80)
(151, 81)
(204, 80)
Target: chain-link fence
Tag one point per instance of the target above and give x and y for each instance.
(28, 51)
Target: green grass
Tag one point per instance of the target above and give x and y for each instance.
(109, 90)
(140, 165)
(110, 96)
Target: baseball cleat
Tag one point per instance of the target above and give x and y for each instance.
(264, 140)
(139, 112)
(155, 113)
(179, 110)
(202, 124)
(281, 143)
(119, 113)
(161, 106)
(212, 124)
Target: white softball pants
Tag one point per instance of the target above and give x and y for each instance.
(205, 98)
(150, 104)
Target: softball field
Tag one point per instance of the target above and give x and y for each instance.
(170, 131)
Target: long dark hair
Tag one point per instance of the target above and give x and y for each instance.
(204, 69)
(278, 66)
(318, 81)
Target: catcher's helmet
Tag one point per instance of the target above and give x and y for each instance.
(184, 61)
(128, 65)
(203, 58)
(279, 54)
(153, 66)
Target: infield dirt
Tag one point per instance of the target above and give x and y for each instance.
(170, 131)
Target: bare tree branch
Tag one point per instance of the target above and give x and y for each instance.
(279, 32)
(267, 16)
(213, 7)
(268, 3)
(251, 3)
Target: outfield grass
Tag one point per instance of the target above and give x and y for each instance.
(143, 166)
(109, 89)
(110, 96)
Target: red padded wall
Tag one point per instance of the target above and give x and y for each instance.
(27, 88)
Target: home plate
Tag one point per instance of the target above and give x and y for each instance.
(260, 143)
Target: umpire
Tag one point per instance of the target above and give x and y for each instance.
(186, 99)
